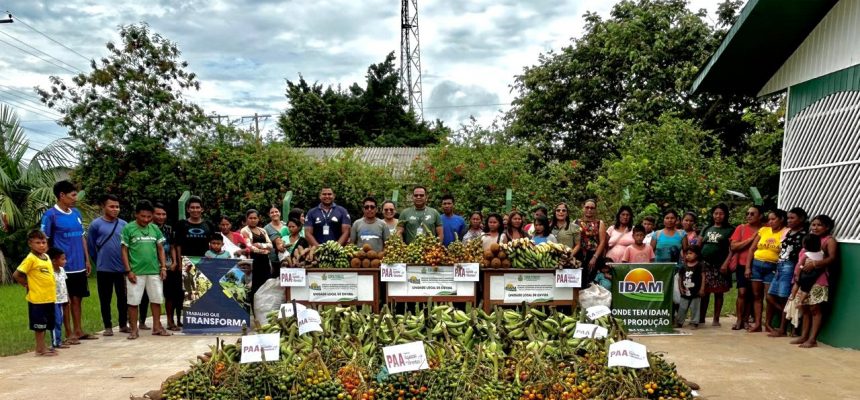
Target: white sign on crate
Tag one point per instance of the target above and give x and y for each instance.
(596, 312)
(628, 354)
(392, 272)
(293, 277)
(405, 357)
(568, 278)
(309, 321)
(254, 346)
(466, 272)
(288, 311)
(589, 331)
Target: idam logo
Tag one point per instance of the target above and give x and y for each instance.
(639, 284)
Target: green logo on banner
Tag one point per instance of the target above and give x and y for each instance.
(639, 284)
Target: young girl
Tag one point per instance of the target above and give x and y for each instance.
(476, 226)
(493, 232)
(515, 227)
(691, 236)
(294, 245)
(542, 234)
(691, 284)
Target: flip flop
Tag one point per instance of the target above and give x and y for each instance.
(132, 336)
(63, 346)
(87, 336)
(174, 328)
(72, 341)
(162, 332)
(46, 354)
(107, 332)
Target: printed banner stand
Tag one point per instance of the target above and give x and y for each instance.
(405, 357)
(642, 297)
(217, 295)
(256, 347)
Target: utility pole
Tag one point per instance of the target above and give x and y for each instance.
(256, 118)
(410, 57)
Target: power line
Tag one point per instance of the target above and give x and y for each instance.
(39, 57)
(14, 89)
(467, 106)
(16, 104)
(27, 100)
(40, 51)
(18, 19)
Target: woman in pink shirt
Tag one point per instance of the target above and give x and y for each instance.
(620, 234)
(822, 226)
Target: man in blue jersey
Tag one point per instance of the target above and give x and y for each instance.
(63, 226)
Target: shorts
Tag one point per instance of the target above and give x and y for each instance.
(151, 284)
(763, 271)
(41, 316)
(77, 285)
(781, 284)
(740, 278)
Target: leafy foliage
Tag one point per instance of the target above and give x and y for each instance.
(630, 68)
(374, 115)
(127, 111)
(671, 163)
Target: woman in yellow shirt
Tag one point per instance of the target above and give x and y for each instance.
(762, 263)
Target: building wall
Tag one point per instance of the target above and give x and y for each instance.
(830, 47)
(821, 172)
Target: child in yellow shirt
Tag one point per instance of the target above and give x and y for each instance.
(36, 275)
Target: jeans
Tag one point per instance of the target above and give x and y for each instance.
(693, 306)
(108, 283)
(57, 333)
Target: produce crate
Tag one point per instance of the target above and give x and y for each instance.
(366, 289)
(425, 283)
(535, 286)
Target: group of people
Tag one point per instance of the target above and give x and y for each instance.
(778, 263)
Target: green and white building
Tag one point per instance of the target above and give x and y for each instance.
(809, 49)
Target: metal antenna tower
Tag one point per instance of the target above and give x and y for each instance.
(410, 56)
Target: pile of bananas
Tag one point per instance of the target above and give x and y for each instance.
(526, 255)
(471, 354)
(332, 255)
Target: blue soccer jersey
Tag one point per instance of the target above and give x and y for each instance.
(64, 231)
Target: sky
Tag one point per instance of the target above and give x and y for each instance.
(243, 50)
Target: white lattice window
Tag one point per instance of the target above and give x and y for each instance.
(821, 162)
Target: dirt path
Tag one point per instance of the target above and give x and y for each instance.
(738, 365)
(727, 364)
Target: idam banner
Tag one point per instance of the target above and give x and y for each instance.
(642, 296)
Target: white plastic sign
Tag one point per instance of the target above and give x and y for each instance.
(288, 311)
(254, 346)
(392, 273)
(309, 321)
(628, 354)
(589, 331)
(405, 357)
(466, 272)
(293, 277)
(568, 278)
(596, 312)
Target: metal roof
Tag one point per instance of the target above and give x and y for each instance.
(766, 33)
(399, 159)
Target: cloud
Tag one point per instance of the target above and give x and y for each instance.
(451, 101)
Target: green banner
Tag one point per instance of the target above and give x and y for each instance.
(642, 296)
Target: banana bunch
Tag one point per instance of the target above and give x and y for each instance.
(331, 255)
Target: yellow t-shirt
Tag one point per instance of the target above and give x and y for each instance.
(769, 244)
(40, 279)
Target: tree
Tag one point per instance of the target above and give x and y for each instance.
(26, 186)
(630, 68)
(374, 115)
(671, 163)
(129, 111)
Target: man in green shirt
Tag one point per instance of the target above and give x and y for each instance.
(143, 258)
(419, 219)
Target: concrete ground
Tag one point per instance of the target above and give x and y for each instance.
(731, 364)
(727, 364)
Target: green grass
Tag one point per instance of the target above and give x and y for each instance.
(729, 299)
(16, 337)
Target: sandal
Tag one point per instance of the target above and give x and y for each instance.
(162, 332)
(87, 336)
(174, 328)
(108, 332)
(63, 345)
(46, 353)
(132, 336)
(72, 341)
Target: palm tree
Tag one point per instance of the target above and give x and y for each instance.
(26, 186)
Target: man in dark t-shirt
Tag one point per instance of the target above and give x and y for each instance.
(328, 221)
(192, 234)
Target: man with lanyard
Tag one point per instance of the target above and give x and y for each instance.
(63, 226)
(103, 242)
(453, 225)
(419, 219)
(328, 221)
